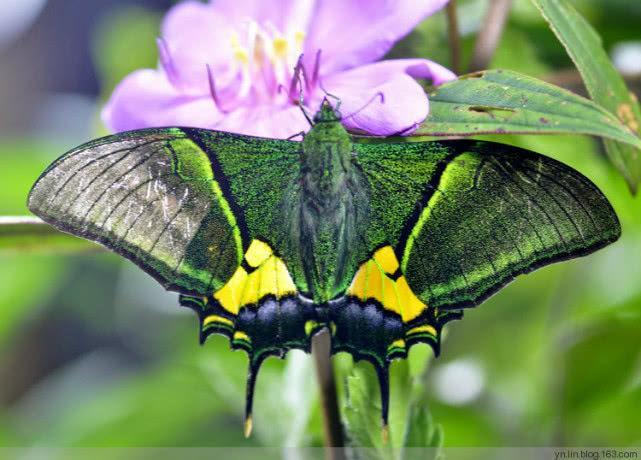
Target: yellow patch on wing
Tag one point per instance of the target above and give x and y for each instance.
(229, 295)
(386, 258)
(374, 280)
(240, 335)
(422, 329)
(412, 306)
(257, 253)
(310, 326)
(268, 276)
(212, 319)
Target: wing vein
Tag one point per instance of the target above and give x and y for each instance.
(104, 192)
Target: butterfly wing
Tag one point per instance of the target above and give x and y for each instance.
(190, 207)
(453, 222)
(481, 214)
(160, 198)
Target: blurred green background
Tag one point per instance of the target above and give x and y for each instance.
(94, 353)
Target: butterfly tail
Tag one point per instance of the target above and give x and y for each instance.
(383, 382)
(252, 374)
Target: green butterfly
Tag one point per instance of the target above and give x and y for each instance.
(270, 241)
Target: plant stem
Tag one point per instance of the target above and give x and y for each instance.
(453, 37)
(490, 34)
(29, 233)
(321, 347)
(571, 79)
(21, 220)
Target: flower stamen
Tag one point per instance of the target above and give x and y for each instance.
(316, 70)
(280, 47)
(266, 59)
(240, 53)
(166, 61)
(213, 92)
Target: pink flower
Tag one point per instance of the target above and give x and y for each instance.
(232, 66)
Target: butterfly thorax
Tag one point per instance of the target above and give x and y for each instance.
(331, 207)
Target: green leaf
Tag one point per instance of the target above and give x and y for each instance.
(19, 234)
(502, 101)
(422, 432)
(602, 80)
(362, 415)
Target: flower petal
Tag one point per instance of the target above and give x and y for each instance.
(285, 15)
(423, 69)
(146, 98)
(265, 121)
(195, 35)
(404, 103)
(362, 31)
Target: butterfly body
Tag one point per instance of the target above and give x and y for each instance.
(331, 208)
(270, 241)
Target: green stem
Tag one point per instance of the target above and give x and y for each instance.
(490, 34)
(453, 37)
(29, 233)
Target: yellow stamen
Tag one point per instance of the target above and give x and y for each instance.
(280, 46)
(240, 54)
(234, 40)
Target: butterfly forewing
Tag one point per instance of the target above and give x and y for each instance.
(487, 212)
(156, 197)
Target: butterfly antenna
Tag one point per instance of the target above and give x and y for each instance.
(328, 94)
(301, 104)
(371, 100)
(254, 366)
(297, 78)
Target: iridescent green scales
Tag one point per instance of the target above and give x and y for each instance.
(270, 241)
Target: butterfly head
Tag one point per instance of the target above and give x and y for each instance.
(327, 112)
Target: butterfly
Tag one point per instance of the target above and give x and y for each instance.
(270, 241)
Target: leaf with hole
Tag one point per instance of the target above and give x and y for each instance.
(506, 102)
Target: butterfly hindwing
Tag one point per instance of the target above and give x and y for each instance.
(380, 318)
(260, 310)
(451, 223)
